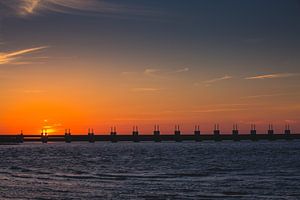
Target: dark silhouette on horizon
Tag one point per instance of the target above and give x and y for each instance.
(197, 136)
(156, 133)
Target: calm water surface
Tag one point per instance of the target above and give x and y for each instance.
(208, 170)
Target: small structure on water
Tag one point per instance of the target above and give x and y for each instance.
(217, 132)
(270, 130)
(20, 138)
(91, 136)
(177, 134)
(253, 132)
(235, 132)
(135, 134)
(113, 134)
(197, 133)
(156, 133)
(287, 130)
(44, 136)
(68, 136)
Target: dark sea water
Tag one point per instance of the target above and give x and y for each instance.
(208, 170)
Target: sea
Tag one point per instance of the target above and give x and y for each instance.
(148, 170)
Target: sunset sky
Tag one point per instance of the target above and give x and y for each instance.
(83, 64)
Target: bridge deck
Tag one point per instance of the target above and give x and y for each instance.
(141, 137)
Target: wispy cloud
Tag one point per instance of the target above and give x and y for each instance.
(224, 107)
(160, 73)
(33, 7)
(146, 89)
(151, 72)
(271, 76)
(154, 73)
(211, 81)
(220, 110)
(186, 69)
(266, 95)
(52, 127)
(12, 57)
(231, 104)
(29, 6)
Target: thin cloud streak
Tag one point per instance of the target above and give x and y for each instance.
(27, 63)
(266, 95)
(220, 110)
(150, 71)
(226, 77)
(160, 73)
(154, 73)
(186, 69)
(10, 58)
(271, 76)
(34, 7)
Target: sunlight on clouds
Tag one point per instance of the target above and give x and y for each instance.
(51, 127)
(266, 95)
(151, 71)
(31, 7)
(220, 110)
(159, 73)
(211, 81)
(270, 76)
(186, 69)
(10, 58)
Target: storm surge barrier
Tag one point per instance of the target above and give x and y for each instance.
(156, 136)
